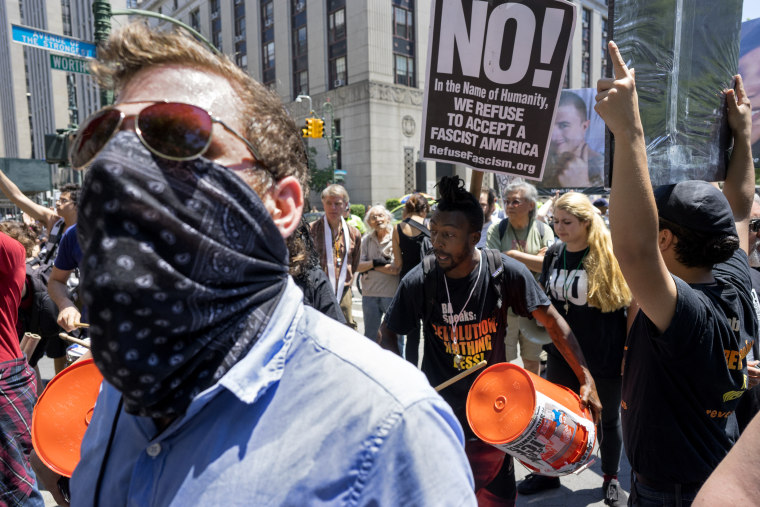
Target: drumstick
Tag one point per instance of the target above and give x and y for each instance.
(74, 340)
(461, 375)
(82, 324)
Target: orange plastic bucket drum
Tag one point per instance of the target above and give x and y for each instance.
(62, 415)
(538, 422)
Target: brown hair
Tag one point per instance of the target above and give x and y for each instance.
(20, 233)
(267, 125)
(416, 204)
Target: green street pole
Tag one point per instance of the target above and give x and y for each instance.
(327, 106)
(101, 9)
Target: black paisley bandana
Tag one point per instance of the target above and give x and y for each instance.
(182, 267)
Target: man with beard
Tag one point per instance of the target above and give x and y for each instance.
(463, 323)
(220, 387)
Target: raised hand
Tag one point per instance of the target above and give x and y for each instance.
(616, 101)
(739, 111)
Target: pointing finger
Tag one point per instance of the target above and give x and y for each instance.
(618, 65)
(741, 95)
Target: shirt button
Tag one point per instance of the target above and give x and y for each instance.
(154, 450)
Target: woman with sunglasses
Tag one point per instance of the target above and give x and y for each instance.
(585, 284)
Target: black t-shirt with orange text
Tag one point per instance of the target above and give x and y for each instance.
(681, 386)
(476, 331)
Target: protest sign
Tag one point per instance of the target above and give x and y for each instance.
(493, 78)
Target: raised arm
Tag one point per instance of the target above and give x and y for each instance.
(31, 208)
(739, 187)
(634, 224)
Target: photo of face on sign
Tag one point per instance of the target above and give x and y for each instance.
(576, 151)
(749, 68)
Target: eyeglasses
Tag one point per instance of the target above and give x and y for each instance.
(754, 225)
(171, 130)
(514, 202)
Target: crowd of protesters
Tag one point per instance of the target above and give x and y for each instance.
(222, 322)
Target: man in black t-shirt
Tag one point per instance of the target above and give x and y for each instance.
(464, 325)
(686, 265)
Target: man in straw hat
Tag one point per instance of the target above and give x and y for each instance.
(685, 367)
(220, 386)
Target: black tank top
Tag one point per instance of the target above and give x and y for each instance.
(410, 250)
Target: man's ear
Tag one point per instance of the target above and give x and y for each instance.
(665, 239)
(287, 200)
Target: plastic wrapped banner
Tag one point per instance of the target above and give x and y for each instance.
(494, 73)
(749, 68)
(684, 52)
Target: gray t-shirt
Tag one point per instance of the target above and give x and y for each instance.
(374, 283)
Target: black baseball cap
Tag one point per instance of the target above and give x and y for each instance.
(696, 205)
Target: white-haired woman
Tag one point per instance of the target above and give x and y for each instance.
(376, 262)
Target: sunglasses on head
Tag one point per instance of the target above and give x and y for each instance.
(170, 130)
(754, 225)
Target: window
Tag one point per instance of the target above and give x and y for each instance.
(301, 83)
(268, 76)
(338, 72)
(268, 55)
(195, 20)
(239, 12)
(336, 26)
(300, 48)
(267, 14)
(337, 43)
(586, 49)
(403, 42)
(404, 70)
(216, 25)
(403, 23)
(299, 41)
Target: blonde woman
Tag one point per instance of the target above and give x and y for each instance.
(584, 282)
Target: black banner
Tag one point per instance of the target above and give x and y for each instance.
(493, 79)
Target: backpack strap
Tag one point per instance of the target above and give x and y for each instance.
(430, 286)
(503, 228)
(424, 230)
(498, 285)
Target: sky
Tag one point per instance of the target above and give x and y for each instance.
(751, 9)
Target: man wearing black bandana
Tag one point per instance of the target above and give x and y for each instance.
(220, 386)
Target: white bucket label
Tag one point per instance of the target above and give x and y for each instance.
(549, 436)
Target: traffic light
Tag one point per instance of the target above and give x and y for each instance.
(305, 130)
(319, 128)
(309, 127)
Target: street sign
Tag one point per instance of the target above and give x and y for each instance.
(68, 64)
(52, 42)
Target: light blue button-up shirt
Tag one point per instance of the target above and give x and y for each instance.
(315, 414)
